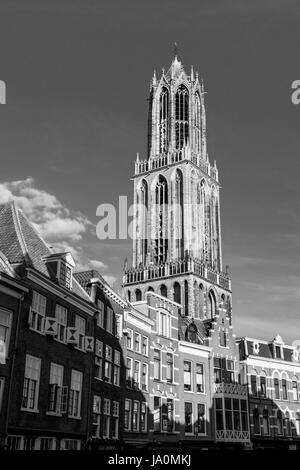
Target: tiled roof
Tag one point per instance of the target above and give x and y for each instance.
(21, 243)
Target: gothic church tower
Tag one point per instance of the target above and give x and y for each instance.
(177, 228)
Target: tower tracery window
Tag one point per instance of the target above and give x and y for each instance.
(143, 210)
(163, 120)
(161, 241)
(181, 117)
(197, 123)
(179, 213)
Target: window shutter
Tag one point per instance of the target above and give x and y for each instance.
(64, 400)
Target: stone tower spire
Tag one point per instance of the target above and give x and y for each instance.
(177, 228)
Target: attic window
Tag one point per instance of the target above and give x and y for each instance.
(65, 275)
(278, 352)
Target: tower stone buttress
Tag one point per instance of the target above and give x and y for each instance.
(177, 228)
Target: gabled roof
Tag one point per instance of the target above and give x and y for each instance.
(21, 244)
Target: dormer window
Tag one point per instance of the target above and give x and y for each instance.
(60, 267)
(65, 275)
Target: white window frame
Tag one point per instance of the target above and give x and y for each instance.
(192, 419)
(146, 374)
(7, 327)
(109, 320)
(144, 405)
(204, 419)
(96, 414)
(137, 383)
(28, 374)
(147, 345)
(203, 377)
(190, 375)
(127, 400)
(117, 367)
(108, 364)
(99, 358)
(130, 335)
(168, 354)
(160, 365)
(100, 317)
(136, 403)
(61, 315)
(137, 336)
(56, 378)
(115, 419)
(129, 359)
(76, 381)
(80, 324)
(106, 417)
(2, 385)
(38, 311)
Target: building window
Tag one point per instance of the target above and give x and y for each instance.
(276, 388)
(223, 338)
(136, 377)
(143, 417)
(253, 384)
(75, 394)
(130, 339)
(188, 414)
(170, 414)
(38, 312)
(145, 377)
(217, 370)
(199, 378)
(295, 390)
(96, 416)
(266, 430)
(244, 415)
(5, 324)
(170, 365)
(28, 443)
(80, 324)
(256, 422)
(157, 364)
(70, 444)
(117, 368)
(284, 389)
(145, 346)
(115, 420)
(230, 371)
(129, 374)
(164, 324)
(65, 275)
(278, 354)
(136, 416)
(137, 342)
(279, 422)
(109, 320)
(108, 364)
(287, 423)
(181, 117)
(31, 383)
(187, 376)
(228, 414)
(14, 442)
(127, 416)
(106, 418)
(201, 425)
(157, 414)
(100, 317)
(61, 315)
(263, 386)
(98, 359)
(55, 388)
(219, 414)
(2, 383)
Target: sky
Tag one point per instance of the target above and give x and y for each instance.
(77, 74)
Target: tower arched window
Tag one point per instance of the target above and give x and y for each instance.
(161, 240)
(181, 117)
(177, 292)
(143, 210)
(197, 123)
(163, 120)
(179, 213)
(211, 307)
(163, 290)
(138, 295)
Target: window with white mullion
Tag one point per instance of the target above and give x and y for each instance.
(61, 315)
(55, 388)
(31, 383)
(38, 312)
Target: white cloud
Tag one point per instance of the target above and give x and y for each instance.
(54, 221)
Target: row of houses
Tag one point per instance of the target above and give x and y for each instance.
(81, 367)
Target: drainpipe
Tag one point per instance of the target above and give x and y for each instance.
(11, 371)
